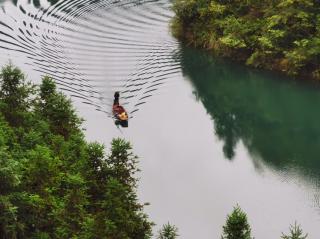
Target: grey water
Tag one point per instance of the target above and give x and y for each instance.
(210, 133)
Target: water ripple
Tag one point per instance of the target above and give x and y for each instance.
(92, 48)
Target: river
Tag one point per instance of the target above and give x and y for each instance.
(210, 133)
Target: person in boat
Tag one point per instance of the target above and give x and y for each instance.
(119, 112)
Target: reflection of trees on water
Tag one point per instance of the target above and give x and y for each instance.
(277, 120)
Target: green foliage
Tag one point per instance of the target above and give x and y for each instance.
(54, 184)
(295, 233)
(57, 109)
(168, 231)
(15, 95)
(282, 35)
(237, 226)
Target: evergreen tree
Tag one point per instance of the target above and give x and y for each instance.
(54, 184)
(295, 233)
(15, 95)
(57, 109)
(237, 226)
(168, 231)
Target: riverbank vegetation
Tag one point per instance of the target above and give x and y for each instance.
(54, 184)
(280, 35)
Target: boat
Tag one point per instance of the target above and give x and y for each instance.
(119, 113)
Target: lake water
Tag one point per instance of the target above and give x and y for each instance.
(210, 134)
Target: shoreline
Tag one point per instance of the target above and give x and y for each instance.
(245, 36)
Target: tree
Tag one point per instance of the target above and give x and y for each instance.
(57, 109)
(15, 95)
(168, 231)
(295, 233)
(280, 35)
(237, 226)
(54, 184)
(119, 200)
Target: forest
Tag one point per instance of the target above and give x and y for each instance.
(278, 35)
(55, 184)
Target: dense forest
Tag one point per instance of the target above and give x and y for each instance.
(54, 184)
(280, 35)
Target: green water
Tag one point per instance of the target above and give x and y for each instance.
(277, 118)
(220, 134)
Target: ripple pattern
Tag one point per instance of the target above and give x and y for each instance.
(92, 48)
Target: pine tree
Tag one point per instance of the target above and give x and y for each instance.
(295, 233)
(237, 226)
(168, 231)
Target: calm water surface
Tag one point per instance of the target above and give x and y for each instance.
(210, 134)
